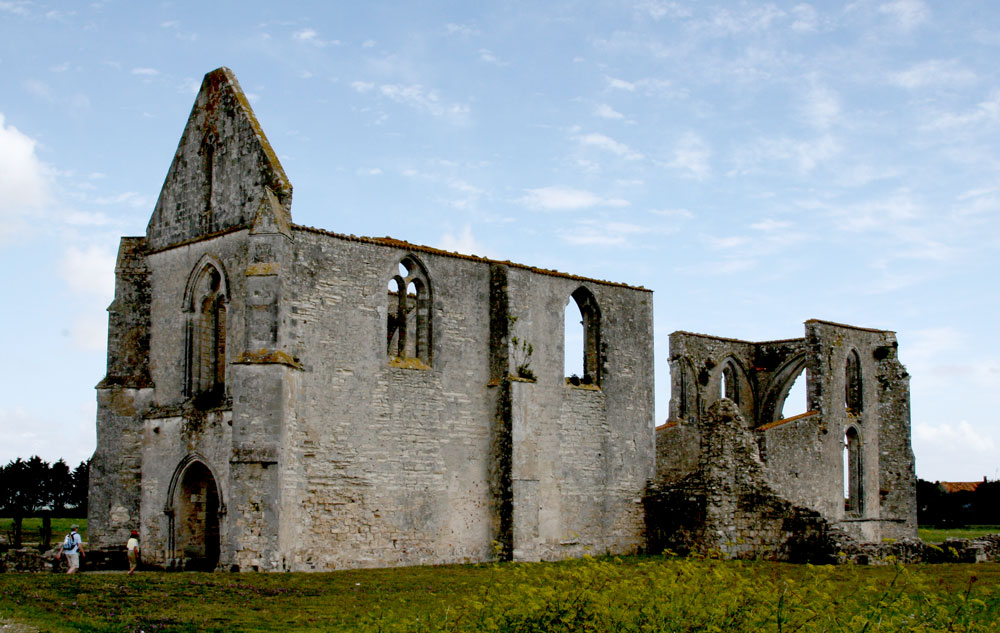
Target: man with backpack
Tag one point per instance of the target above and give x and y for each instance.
(72, 549)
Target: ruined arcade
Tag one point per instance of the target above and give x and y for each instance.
(280, 397)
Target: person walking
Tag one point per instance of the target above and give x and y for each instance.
(73, 549)
(133, 552)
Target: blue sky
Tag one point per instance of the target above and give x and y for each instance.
(756, 164)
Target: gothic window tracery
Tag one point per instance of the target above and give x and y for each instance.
(408, 317)
(205, 358)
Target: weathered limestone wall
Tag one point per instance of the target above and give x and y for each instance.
(727, 505)
(122, 396)
(220, 171)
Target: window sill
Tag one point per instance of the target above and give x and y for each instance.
(408, 363)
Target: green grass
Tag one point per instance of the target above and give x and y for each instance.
(633, 594)
(935, 535)
(31, 526)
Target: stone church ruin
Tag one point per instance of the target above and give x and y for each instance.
(280, 397)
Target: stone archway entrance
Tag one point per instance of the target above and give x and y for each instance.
(197, 518)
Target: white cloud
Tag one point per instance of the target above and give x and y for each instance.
(592, 233)
(416, 96)
(806, 18)
(725, 243)
(959, 438)
(608, 144)
(369, 171)
(805, 154)
(821, 107)
(746, 19)
(607, 112)
(935, 72)
(145, 72)
(461, 29)
(24, 186)
(37, 88)
(908, 14)
(130, 198)
(26, 433)
(557, 198)
(620, 84)
(691, 156)
(89, 271)
(17, 8)
(487, 56)
(310, 36)
(362, 86)
(465, 242)
(682, 214)
(770, 225)
(659, 9)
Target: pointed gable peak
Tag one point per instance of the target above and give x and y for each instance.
(271, 217)
(222, 170)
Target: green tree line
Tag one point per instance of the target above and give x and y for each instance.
(34, 487)
(941, 509)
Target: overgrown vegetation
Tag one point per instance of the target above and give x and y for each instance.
(635, 594)
(938, 535)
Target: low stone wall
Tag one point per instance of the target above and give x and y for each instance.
(985, 549)
(31, 560)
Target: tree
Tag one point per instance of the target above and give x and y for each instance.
(60, 487)
(81, 488)
(24, 490)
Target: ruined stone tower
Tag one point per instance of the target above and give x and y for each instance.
(280, 397)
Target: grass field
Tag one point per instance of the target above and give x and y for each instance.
(632, 594)
(30, 527)
(935, 535)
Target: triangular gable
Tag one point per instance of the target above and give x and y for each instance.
(271, 217)
(222, 170)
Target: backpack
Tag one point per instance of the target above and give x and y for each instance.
(69, 543)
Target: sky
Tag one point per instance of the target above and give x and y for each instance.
(756, 164)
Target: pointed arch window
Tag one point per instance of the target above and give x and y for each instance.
(590, 320)
(408, 317)
(206, 327)
(852, 383)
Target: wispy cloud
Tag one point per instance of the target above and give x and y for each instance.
(608, 144)
(422, 99)
(596, 233)
(463, 242)
(691, 156)
(805, 19)
(89, 271)
(487, 56)
(466, 30)
(907, 14)
(821, 107)
(804, 154)
(145, 72)
(311, 36)
(556, 198)
(934, 72)
(605, 111)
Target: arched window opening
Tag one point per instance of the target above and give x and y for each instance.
(206, 334)
(796, 399)
(853, 472)
(583, 338)
(408, 317)
(852, 383)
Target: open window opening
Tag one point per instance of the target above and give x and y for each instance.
(582, 343)
(796, 399)
(408, 315)
(853, 489)
(852, 383)
(729, 382)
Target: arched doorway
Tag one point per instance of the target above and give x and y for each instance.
(196, 524)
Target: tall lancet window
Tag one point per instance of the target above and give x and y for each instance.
(206, 332)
